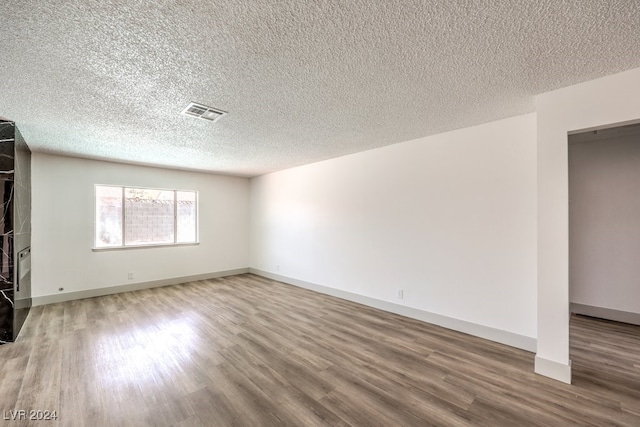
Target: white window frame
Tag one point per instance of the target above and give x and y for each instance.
(123, 228)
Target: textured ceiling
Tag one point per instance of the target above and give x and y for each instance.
(302, 81)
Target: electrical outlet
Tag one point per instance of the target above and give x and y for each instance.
(130, 276)
(278, 267)
(400, 293)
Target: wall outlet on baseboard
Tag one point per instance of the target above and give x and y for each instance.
(130, 276)
(400, 293)
(278, 267)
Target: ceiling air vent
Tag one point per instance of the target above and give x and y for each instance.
(203, 112)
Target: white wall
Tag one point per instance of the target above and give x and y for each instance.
(597, 103)
(604, 221)
(450, 219)
(63, 221)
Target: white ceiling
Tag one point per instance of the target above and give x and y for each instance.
(302, 81)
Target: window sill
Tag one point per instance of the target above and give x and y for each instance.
(152, 245)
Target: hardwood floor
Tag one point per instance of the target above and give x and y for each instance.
(245, 350)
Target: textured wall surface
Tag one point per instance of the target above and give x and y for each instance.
(146, 221)
(302, 81)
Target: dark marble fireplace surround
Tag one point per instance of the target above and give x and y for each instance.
(15, 231)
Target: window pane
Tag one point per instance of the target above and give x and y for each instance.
(148, 216)
(187, 221)
(108, 216)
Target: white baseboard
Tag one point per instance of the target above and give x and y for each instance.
(606, 313)
(549, 368)
(492, 334)
(69, 296)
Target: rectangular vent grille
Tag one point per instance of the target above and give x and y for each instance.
(203, 112)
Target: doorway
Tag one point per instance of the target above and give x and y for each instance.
(604, 255)
(604, 223)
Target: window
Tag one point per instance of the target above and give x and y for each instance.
(127, 216)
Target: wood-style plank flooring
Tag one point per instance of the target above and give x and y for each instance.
(249, 351)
